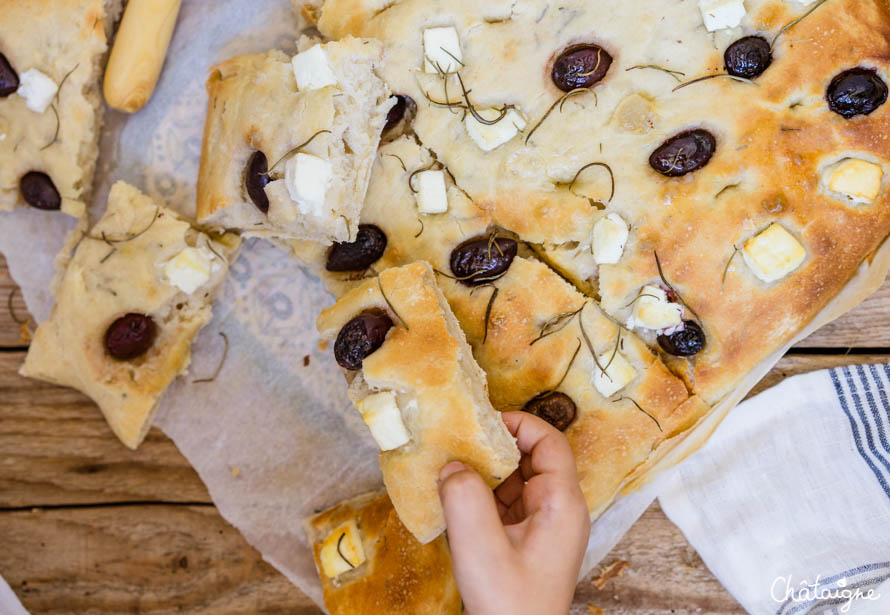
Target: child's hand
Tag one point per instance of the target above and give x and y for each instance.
(518, 551)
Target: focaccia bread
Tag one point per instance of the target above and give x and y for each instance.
(414, 380)
(135, 294)
(612, 422)
(369, 563)
(50, 102)
(761, 189)
(288, 143)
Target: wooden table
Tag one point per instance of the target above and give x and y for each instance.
(87, 526)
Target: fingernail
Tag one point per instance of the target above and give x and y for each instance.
(451, 468)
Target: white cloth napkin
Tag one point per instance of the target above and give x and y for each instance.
(9, 602)
(792, 490)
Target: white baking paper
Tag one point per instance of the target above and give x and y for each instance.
(273, 439)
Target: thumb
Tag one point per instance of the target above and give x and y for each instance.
(475, 532)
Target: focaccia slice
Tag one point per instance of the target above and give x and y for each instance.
(370, 563)
(139, 287)
(289, 142)
(414, 380)
(50, 103)
(612, 429)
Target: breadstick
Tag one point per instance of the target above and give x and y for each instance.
(138, 53)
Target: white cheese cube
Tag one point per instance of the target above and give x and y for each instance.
(190, 269)
(432, 197)
(308, 178)
(609, 238)
(858, 181)
(381, 414)
(441, 50)
(312, 69)
(652, 310)
(619, 372)
(37, 89)
(773, 254)
(490, 136)
(720, 14)
(342, 550)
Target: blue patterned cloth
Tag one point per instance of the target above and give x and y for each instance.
(789, 502)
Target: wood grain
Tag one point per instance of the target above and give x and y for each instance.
(12, 309)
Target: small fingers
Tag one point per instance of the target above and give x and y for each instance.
(546, 447)
(511, 489)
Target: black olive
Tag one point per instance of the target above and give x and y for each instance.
(358, 255)
(556, 408)
(39, 191)
(481, 260)
(685, 343)
(404, 107)
(9, 79)
(255, 179)
(360, 337)
(130, 336)
(748, 57)
(580, 66)
(858, 91)
(684, 153)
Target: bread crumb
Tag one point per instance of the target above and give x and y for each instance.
(612, 571)
(306, 361)
(323, 345)
(235, 472)
(25, 333)
(595, 610)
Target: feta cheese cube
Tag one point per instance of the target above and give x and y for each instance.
(858, 181)
(619, 372)
(432, 197)
(312, 69)
(490, 136)
(381, 414)
(441, 50)
(652, 310)
(342, 550)
(609, 238)
(308, 178)
(720, 14)
(37, 89)
(773, 254)
(190, 269)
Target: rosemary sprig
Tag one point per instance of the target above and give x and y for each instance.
(556, 324)
(471, 276)
(588, 166)
(402, 162)
(111, 241)
(791, 24)
(435, 165)
(735, 250)
(614, 350)
(472, 109)
(494, 295)
(565, 374)
(340, 552)
(222, 361)
(718, 75)
(640, 296)
(726, 189)
(676, 74)
(640, 408)
(420, 232)
(9, 307)
(389, 304)
(55, 109)
(559, 102)
(453, 57)
(295, 150)
(590, 347)
(674, 290)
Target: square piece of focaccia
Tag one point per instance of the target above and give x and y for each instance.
(613, 397)
(418, 389)
(289, 142)
(50, 102)
(369, 563)
(135, 294)
(761, 188)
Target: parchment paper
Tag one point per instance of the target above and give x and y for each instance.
(273, 440)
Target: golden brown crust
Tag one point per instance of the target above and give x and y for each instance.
(400, 574)
(58, 38)
(426, 361)
(106, 281)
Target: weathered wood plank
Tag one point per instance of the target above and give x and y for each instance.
(12, 309)
(56, 449)
(139, 559)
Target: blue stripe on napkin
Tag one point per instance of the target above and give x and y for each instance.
(868, 435)
(867, 577)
